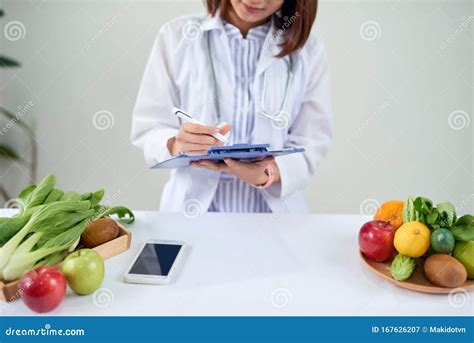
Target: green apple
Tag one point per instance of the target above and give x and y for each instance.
(84, 271)
(464, 253)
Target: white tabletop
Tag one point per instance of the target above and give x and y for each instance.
(255, 264)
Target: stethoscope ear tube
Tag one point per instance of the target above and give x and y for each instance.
(277, 117)
(283, 112)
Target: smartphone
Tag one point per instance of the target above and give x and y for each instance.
(156, 263)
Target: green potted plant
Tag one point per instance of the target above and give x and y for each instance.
(8, 152)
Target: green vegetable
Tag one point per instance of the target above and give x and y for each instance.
(49, 226)
(21, 199)
(64, 222)
(39, 194)
(422, 210)
(402, 267)
(53, 259)
(40, 221)
(25, 192)
(54, 195)
(417, 209)
(463, 229)
(71, 196)
(447, 214)
(408, 212)
(11, 226)
(442, 241)
(123, 213)
(26, 259)
(96, 197)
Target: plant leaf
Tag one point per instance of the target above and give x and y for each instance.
(25, 192)
(450, 212)
(8, 62)
(17, 120)
(54, 195)
(39, 194)
(122, 212)
(71, 196)
(7, 152)
(467, 219)
(432, 217)
(463, 232)
(96, 197)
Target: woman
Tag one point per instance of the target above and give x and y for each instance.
(253, 64)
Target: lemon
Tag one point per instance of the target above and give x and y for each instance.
(412, 239)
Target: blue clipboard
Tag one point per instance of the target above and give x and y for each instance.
(241, 152)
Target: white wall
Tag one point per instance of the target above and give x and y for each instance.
(392, 97)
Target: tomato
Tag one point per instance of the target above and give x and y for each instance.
(376, 240)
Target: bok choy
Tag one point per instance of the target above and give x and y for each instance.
(48, 226)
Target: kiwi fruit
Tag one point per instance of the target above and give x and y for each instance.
(99, 232)
(445, 271)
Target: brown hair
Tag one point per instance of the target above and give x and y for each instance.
(294, 21)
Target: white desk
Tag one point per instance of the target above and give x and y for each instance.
(254, 265)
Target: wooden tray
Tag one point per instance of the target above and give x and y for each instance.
(417, 282)
(10, 292)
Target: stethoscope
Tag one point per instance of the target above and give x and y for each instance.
(279, 118)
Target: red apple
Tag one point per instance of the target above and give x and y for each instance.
(376, 240)
(42, 289)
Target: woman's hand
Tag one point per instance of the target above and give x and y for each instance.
(252, 173)
(195, 138)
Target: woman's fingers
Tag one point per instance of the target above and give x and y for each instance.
(261, 164)
(252, 173)
(198, 128)
(218, 167)
(266, 161)
(184, 136)
(223, 130)
(231, 163)
(191, 147)
(196, 138)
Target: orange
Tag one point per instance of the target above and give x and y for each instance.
(391, 211)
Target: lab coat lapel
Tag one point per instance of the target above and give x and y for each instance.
(222, 61)
(270, 49)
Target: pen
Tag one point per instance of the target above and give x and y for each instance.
(187, 117)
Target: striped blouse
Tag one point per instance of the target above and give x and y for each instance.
(234, 195)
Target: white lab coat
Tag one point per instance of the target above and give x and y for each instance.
(178, 74)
